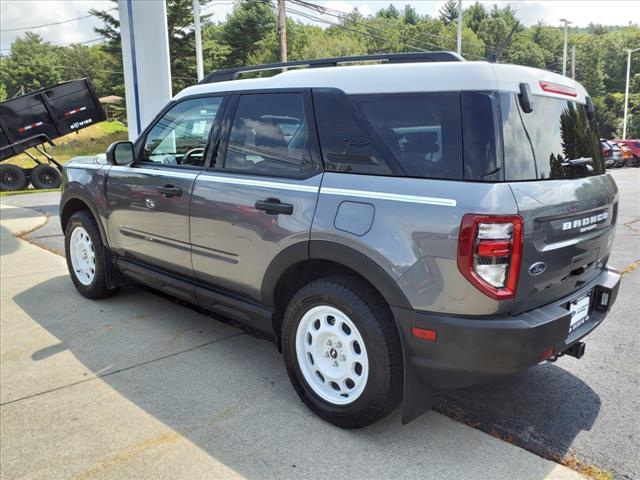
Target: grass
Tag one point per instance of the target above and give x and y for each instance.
(89, 141)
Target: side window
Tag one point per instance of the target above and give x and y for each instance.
(180, 136)
(422, 130)
(270, 136)
(480, 124)
(346, 147)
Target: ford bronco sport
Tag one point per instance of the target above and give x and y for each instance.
(423, 223)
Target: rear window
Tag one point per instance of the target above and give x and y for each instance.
(542, 144)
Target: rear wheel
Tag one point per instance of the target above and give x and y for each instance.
(342, 352)
(86, 256)
(12, 178)
(45, 176)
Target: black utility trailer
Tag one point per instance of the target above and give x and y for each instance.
(37, 118)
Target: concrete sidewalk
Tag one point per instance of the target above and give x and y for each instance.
(136, 386)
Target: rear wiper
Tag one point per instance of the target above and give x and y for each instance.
(578, 162)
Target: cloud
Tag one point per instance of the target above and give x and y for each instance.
(29, 13)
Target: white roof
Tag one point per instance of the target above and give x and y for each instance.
(405, 77)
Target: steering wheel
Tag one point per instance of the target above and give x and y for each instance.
(185, 158)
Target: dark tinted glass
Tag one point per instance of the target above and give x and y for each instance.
(180, 136)
(422, 130)
(346, 147)
(480, 120)
(541, 144)
(270, 136)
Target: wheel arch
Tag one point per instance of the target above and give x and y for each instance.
(307, 261)
(75, 200)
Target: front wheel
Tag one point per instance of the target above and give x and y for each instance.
(342, 352)
(86, 256)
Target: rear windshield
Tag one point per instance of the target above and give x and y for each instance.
(556, 140)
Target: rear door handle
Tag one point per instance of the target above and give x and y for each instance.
(273, 206)
(169, 191)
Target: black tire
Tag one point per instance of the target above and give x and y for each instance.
(12, 178)
(45, 176)
(98, 286)
(372, 317)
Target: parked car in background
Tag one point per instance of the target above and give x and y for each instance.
(611, 153)
(631, 147)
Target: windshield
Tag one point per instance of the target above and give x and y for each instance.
(555, 140)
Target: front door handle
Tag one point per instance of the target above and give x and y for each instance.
(273, 206)
(169, 191)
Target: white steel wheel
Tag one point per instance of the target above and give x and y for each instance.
(82, 255)
(332, 355)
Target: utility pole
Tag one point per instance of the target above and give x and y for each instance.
(282, 30)
(573, 62)
(459, 46)
(564, 54)
(626, 93)
(196, 22)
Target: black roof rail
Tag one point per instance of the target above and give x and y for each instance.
(416, 57)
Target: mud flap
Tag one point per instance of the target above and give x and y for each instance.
(417, 397)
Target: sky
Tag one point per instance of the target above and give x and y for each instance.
(21, 14)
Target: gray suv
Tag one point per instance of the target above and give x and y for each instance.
(423, 223)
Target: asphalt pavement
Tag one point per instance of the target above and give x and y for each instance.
(136, 386)
(573, 409)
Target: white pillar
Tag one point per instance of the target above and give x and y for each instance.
(196, 18)
(145, 59)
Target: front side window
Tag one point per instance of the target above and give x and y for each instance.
(180, 137)
(270, 136)
(422, 130)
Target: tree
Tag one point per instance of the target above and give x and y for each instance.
(181, 41)
(449, 12)
(389, 12)
(410, 15)
(246, 28)
(474, 15)
(31, 64)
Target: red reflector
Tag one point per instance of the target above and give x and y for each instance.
(424, 334)
(557, 88)
(494, 248)
(548, 353)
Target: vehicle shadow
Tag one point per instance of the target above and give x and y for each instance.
(9, 243)
(231, 397)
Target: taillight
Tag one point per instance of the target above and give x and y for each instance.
(489, 253)
(558, 88)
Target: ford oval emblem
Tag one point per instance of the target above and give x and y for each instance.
(537, 268)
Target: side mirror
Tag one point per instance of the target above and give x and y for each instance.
(526, 98)
(591, 110)
(120, 153)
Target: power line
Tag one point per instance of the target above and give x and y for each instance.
(343, 16)
(53, 23)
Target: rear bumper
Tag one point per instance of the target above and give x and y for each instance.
(470, 351)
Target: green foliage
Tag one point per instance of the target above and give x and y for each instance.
(248, 36)
(389, 12)
(246, 31)
(449, 12)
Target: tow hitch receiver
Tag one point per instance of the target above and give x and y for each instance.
(576, 350)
